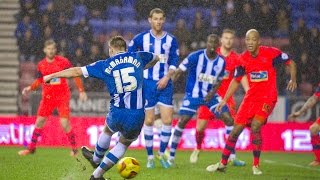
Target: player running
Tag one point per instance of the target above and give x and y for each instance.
(123, 75)
(314, 128)
(55, 95)
(258, 63)
(204, 114)
(206, 70)
(157, 81)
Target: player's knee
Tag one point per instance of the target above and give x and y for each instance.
(227, 119)
(255, 126)
(200, 128)
(314, 129)
(40, 122)
(236, 131)
(148, 121)
(183, 121)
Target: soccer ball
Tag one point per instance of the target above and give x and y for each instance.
(128, 167)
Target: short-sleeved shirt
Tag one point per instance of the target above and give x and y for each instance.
(261, 72)
(57, 87)
(166, 47)
(203, 72)
(123, 76)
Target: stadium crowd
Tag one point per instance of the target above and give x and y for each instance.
(81, 29)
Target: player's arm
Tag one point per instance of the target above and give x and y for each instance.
(172, 62)
(152, 62)
(311, 102)
(82, 94)
(244, 82)
(35, 84)
(183, 67)
(238, 75)
(292, 85)
(67, 73)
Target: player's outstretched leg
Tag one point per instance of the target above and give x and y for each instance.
(200, 134)
(315, 141)
(32, 146)
(230, 145)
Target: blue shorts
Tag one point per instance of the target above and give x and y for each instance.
(190, 105)
(154, 96)
(128, 122)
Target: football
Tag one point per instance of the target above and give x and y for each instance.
(128, 167)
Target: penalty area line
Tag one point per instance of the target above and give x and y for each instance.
(291, 164)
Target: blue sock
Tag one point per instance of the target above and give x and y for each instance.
(148, 136)
(175, 141)
(165, 137)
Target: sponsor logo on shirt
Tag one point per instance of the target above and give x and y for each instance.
(226, 74)
(259, 76)
(55, 81)
(207, 78)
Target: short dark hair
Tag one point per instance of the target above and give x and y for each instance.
(118, 42)
(227, 30)
(156, 11)
(49, 42)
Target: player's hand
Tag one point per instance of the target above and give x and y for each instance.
(162, 83)
(83, 96)
(220, 105)
(47, 79)
(292, 85)
(26, 90)
(294, 115)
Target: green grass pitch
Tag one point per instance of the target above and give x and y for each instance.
(56, 163)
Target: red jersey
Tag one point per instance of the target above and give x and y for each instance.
(57, 87)
(232, 62)
(317, 93)
(261, 72)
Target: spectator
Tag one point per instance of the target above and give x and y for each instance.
(46, 34)
(79, 59)
(83, 29)
(314, 43)
(28, 47)
(82, 44)
(307, 69)
(182, 33)
(265, 20)
(62, 29)
(283, 24)
(63, 48)
(199, 33)
(248, 19)
(30, 8)
(228, 18)
(64, 6)
(96, 5)
(95, 53)
(44, 22)
(50, 11)
(214, 21)
(24, 25)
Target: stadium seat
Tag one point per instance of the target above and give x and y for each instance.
(113, 12)
(128, 13)
(97, 26)
(111, 24)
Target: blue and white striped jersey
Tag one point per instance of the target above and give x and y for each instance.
(166, 47)
(123, 76)
(202, 72)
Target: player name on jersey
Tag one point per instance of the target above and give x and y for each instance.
(116, 62)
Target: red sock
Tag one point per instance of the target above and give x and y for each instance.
(230, 144)
(72, 139)
(199, 139)
(35, 135)
(315, 141)
(256, 143)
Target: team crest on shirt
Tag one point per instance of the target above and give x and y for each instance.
(165, 46)
(259, 76)
(284, 56)
(131, 43)
(186, 103)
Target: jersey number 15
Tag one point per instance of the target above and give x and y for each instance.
(122, 77)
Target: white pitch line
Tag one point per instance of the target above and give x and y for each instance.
(291, 164)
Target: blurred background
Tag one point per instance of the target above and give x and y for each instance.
(82, 28)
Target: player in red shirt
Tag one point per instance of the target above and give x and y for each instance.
(204, 114)
(314, 128)
(258, 63)
(56, 94)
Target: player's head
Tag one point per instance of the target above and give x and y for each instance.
(156, 19)
(212, 43)
(252, 40)
(117, 44)
(50, 49)
(227, 38)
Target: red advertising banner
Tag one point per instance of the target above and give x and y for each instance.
(276, 136)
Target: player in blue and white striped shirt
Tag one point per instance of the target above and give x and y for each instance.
(123, 76)
(158, 85)
(205, 72)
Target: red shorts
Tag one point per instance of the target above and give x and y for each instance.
(318, 121)
(249, 110)
(204, 112)
(47, 105)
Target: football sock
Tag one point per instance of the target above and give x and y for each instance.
(101, 147)
(315, 141)
(230, 144)
(148, 137)
(199, 138)
(110, 159)
(228, 131)
(175, 141)
(35, 135)
(72, 140)
(256, 143)
(165, 137)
